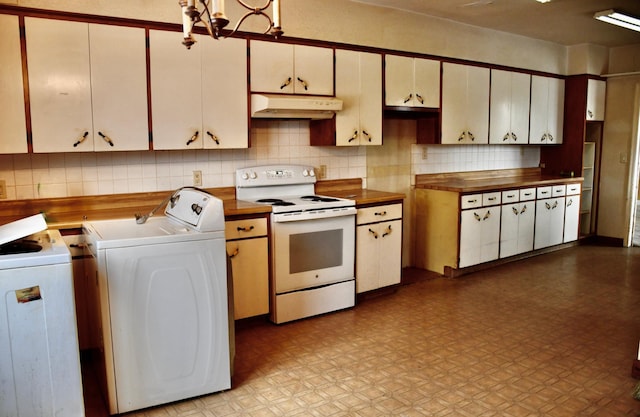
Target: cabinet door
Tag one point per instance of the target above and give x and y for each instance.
(378, 255)
(479, 236)
(119, 87)
(465, 104)
(225, 117)
(390, 253)
(176, 103)
(249, 261)
(370, 98)
(426, 83)
(12, 116)
(509, 230)
(59, 85)
(596, 91)
(398, 72)
(526, 226)
(547, 110)
(313, 70)
(549, 224)
(271, 67)
(509, 112)
(571, 218)
(358, 84)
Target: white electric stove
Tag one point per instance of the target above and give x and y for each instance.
(312, 241)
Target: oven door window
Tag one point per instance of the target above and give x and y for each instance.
(315, 250)
(312, 253)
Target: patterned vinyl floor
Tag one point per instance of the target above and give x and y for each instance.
(554, 335)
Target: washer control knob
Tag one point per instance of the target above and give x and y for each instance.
(253, 175)
(245, 176)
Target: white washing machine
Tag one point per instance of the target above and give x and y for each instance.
(39, 358)
(164, 315)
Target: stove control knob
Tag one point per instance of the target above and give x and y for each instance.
(305, 173)
(312, 173)
(245, 176)
(254, 175)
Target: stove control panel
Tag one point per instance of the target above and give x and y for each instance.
(275, 175)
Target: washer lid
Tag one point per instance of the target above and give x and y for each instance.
(21, 228)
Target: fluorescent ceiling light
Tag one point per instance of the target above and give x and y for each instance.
(619, 19)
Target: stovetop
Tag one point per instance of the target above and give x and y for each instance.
(304, 203)
(286, 188)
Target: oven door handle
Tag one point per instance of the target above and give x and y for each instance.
(313, 214)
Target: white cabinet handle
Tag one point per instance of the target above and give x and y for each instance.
(213, 137)
(285, 83)
(106, 138)
(193, 138)
(81, 139)
(303, 82)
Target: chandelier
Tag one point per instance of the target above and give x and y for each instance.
(214, 19)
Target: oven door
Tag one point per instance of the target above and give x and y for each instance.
(312, 253)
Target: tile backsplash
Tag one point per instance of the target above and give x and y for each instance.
(31, 176)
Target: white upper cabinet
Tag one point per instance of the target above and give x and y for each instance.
(198, 95)
(12, 116)
(119, 88)
(465, 104)
(291, 69)
(412, 82)
(359, 85)
(87, 86)
(59, 85)
(547, 110)
(509, 111)
(596, 91)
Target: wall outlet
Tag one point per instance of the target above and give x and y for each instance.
(197, 178)
(322, 172)
(3, 189)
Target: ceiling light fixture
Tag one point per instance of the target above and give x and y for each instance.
(619, 19)
(214, 19)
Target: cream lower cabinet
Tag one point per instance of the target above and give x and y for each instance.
(479, 228)
(248, 248)
(378, 247)
(517, 221)
(550, 206)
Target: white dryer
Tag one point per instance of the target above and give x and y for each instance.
(163, 301)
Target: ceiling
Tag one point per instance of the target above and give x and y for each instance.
(567, 22)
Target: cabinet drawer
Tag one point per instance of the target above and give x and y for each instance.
(510, 196)
(240, 229)
(559, 190)
(573, 189)
(379, 213)
(543, 192)
(491, 199)
(527, 194)
(470, 201)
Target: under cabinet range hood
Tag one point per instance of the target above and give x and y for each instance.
(274, 106)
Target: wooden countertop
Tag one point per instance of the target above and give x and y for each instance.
(70, 212)
(480, 181)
